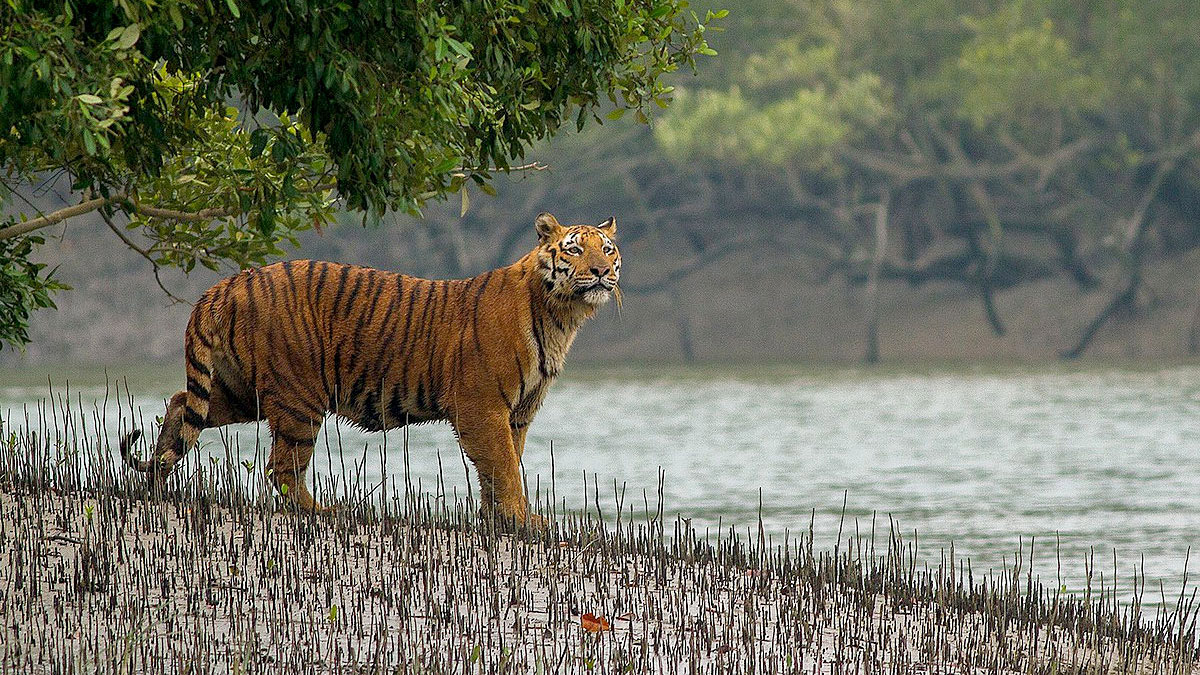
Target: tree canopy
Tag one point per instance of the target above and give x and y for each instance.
(206, 132)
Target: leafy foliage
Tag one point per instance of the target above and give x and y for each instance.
(24, 286)
(374, 105)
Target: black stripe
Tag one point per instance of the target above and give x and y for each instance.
(365, 317)
(342, 274)
(356, 390)
(475, 308)
(292, 295)
(321, 281)
(287, 272)
(192, 418)
(251, 299)
(232, 326)
(369, 415)
(408, 311)
(387, 316)
(504, 395)
(358, 279)
(197, 366)
(337, 365)
(292, 440)
(202, 312)
(431, 375)
(234, 401)
(422, 405)
(371, 293)
(536, 325)
(521, 375)
(518, 425)
(405, 335)
(295, 413)
(435, 376)
(425, 328)
(396, 410)
(197, 389)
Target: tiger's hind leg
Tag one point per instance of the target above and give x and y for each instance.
(291, 452)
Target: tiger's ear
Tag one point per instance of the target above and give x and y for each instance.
(609, 227)
(548, 228)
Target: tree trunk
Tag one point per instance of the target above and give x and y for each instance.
(683, 324)
(881, 237)
(1193, 336)
(1135, 244)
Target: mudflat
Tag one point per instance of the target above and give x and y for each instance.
(97, 577)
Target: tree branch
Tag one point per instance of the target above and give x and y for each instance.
(145, 254)
(58, 216)
(89, 205)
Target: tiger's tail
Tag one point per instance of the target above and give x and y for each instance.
(132, 462)
(186, 416)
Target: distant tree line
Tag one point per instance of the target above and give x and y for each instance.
(983, 143)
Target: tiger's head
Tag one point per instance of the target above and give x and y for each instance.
(579, 262)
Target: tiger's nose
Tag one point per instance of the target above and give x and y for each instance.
(600, 271)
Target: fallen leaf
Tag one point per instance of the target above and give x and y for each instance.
(593, 623)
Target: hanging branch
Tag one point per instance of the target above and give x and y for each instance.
(145, 254)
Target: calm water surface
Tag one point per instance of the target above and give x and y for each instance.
(1097, 460)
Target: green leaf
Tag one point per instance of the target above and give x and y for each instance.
(466, 202)
(616, 114)
(90, 99)
(258, 142)
(448, 164)
(233, 9)
(129, 36)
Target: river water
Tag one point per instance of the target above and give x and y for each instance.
(1088, 462)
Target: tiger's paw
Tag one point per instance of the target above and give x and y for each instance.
(513, 519)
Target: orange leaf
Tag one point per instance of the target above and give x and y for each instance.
(593, 623)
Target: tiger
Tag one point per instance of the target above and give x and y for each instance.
(294, 341)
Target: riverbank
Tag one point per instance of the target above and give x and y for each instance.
(212, 576)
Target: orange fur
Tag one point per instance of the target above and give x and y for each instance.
(294, 341)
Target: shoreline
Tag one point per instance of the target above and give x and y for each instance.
(104, 579)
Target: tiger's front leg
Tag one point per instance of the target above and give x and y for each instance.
(488, 442)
